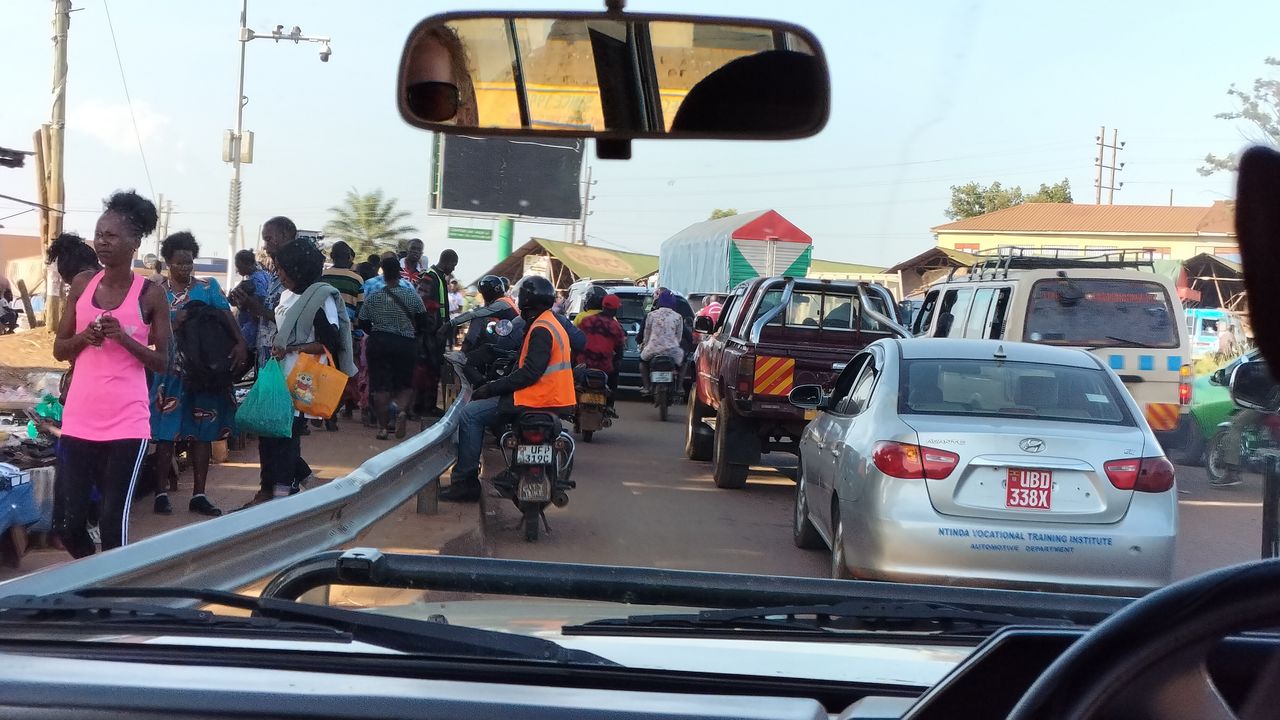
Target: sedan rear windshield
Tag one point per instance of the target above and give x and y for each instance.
(990, 388)
(1100, 312)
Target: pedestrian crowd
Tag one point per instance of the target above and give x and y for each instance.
(155, 358)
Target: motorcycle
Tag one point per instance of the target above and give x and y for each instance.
(1257, 441)
(593, 399)
(539, 457)
(666, 382)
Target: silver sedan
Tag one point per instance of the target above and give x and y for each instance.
(986, 463)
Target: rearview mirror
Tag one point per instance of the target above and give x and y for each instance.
(704, 324)
(613, 75)
(1253, 387)
(808, 397)
(1219, 377)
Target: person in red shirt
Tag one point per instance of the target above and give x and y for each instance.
(605, 342)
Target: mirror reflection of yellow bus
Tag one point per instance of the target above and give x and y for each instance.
(1113, 305)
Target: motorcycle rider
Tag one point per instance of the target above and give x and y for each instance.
(591, 304)
(663, 333)
(606, 343)
(1232, 441)
(543, 380)
(497, 306)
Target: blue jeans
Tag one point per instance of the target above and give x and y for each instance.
(476, 417)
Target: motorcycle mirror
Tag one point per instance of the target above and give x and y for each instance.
(1253, 387)
(492, 327)
(503, 328)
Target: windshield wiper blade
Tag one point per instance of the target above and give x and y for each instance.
(107, 606)
(849, 616)
(1126, 341)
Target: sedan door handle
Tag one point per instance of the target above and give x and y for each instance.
(838, 366)
(835, 451)
(819, 444)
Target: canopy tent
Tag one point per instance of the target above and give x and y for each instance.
(716, 255)
(1218, 281)
(566, 263)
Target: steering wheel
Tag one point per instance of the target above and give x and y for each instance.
(1150, 659)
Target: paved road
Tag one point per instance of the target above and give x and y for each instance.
(640, 502)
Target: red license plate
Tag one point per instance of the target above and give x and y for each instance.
(1028, 489)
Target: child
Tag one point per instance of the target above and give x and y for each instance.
(256, 282)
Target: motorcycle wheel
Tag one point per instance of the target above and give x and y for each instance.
(587, 435)
(661, 398)
(529, 523)
(1215, 464)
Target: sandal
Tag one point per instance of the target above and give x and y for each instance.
(382, 434)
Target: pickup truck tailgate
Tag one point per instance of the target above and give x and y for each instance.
(779, 368)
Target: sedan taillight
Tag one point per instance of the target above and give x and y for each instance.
(912, 462)
(1152, 474)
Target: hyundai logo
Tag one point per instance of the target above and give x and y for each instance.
(1032, 445)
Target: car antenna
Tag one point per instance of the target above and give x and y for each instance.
(999, 354)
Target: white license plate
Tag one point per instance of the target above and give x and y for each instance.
(660, 377)
(534, 490)
(1028, 489)
(533, 455)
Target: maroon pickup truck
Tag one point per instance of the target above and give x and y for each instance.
(774, 334)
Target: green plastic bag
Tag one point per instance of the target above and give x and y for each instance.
(267, 411)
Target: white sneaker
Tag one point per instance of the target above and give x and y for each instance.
(95, 534)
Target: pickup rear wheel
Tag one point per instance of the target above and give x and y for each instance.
(727, 475)
(699, 440)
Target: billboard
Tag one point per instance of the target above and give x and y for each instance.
(500, 176)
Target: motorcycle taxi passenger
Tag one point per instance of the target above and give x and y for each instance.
(543, 380)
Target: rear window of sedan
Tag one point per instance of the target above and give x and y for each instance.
(991, 388)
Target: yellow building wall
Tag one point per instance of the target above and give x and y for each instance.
(1173, 247)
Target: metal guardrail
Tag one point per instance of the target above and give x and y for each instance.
(238, 549)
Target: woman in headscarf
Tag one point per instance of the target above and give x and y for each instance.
(663, 332)
(310, 319)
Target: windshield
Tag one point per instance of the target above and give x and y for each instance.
(988, 388)
(1052, 184)
(1101, 313)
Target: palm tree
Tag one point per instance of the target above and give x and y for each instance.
(368, 222)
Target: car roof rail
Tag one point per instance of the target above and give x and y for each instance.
(996, 264)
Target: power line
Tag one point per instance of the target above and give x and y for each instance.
(129, 100)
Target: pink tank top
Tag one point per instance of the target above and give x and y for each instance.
(108, 398)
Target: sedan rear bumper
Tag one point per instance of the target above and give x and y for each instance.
(897, 535)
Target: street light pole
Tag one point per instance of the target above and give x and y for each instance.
(233, 202)
(236, 142)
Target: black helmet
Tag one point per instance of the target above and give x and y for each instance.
(595, 298)
(537, 294)
(491, 287)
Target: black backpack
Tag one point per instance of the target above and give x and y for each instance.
(205, 344)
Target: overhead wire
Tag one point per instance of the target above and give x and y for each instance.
(137, 134)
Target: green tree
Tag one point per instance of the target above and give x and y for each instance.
(719, 213)
(1261, 108)
(972, 199)
(368, 222)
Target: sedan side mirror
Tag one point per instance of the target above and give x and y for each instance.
(704, 324)
(1253, 387)
(808, 397)
(1219, 377)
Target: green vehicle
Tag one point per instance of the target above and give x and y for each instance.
(1210, 405)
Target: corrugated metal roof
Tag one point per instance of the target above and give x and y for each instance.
(1078, 218)
(832, 266)
(936, 255)
(581, 260)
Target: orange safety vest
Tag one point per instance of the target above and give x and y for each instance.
(510, 303)
(555, 388)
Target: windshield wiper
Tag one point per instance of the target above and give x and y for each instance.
(843, 617)
(1126, 341)
(119, 607)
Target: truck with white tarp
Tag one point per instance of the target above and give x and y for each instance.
(716, 255)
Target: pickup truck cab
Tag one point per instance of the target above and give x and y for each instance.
(773, 334)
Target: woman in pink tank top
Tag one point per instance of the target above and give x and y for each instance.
(115, 328)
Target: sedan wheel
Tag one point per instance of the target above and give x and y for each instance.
(839, 564)
(803, 533)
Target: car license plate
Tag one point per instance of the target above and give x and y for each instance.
(1028, 489)
(535, 490)
(660, 377)
(533, 455)
(591, 398)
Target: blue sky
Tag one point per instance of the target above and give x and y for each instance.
(926, 95)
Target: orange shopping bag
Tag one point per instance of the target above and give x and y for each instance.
(316, 388)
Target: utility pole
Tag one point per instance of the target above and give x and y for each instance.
(587, 197)
(1101, 163)
(52, 142)
(235, 150)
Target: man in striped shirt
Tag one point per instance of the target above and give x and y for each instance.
(343, 276)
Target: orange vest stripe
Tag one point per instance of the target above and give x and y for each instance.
(555, 388)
